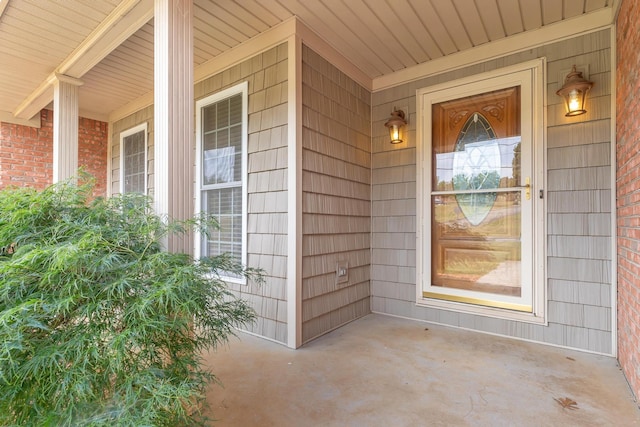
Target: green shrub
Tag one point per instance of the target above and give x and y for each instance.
(99, 325)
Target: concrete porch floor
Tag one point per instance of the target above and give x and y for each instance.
(384, 371)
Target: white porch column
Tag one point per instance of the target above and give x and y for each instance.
(173, 114)
(65, 127)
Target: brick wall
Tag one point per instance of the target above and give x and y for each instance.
(26, 153)
(628, 190)
(93, 137)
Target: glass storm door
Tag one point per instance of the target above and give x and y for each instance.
(480, 202)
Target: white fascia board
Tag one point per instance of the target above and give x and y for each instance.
(264, 41)
(87, 114)
(328, 52)
(558, 31)
(127, 18)
(273, 37)
(137, 104)
(260, 43)
(37, 100)
(8, 117)
(122, 23)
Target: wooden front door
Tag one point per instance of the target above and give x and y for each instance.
(478, 193)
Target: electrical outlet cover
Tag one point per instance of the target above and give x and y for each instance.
(342, 272)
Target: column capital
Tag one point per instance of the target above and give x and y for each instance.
(62, 78)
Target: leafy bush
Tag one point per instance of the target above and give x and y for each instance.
(99, 325)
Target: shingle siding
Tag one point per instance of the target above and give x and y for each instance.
(139, 117)
(577, 198)
(266, 182)
(336, 192)
(267, 207)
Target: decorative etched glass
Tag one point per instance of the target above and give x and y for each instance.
(476, 166)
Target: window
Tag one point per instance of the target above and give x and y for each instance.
(133, 160)
(481, 233)
(221, 128)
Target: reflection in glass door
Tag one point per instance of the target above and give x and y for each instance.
(479, 191)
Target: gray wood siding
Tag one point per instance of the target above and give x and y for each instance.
(336, 178)
(267, 180)
(267, 183)
(143, 116)
(577, 194)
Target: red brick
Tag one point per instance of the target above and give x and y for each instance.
(628, 189)
(26, 153)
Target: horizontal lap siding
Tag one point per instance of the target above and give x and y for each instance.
(578, 204)
(336, 192)
(628, 190)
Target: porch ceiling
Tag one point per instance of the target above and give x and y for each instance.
(109, 43)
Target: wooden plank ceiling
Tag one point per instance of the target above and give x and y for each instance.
(378, 36)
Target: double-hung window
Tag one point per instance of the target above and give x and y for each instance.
(133, 160)
(221, 133)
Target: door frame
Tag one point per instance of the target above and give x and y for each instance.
(530, 76)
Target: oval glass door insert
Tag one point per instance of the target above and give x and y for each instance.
(476, 167)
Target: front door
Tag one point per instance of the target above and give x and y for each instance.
(479, 200)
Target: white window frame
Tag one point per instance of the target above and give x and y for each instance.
(242, 89)
(139, 128)
(531, 74)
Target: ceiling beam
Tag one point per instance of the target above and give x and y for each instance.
(127, 18)
(266, 40)
(7, 117)
(260, 43)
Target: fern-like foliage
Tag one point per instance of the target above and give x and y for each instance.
(98, 325)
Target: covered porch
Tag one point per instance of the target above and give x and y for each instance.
(387, 371)
(335, 211)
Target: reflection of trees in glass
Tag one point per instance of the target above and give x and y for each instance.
(480, 181)
(443, 185)
(515, 165)
(476, 206)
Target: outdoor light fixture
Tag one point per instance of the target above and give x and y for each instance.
(574, 92)
(396, 125)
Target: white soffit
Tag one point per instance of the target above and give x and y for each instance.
(3, 6)
(558, 31)
(118, 26)
(274, 36)
(378, 43)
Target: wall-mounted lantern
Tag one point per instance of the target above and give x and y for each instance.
(396, 125)
(574, 92)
